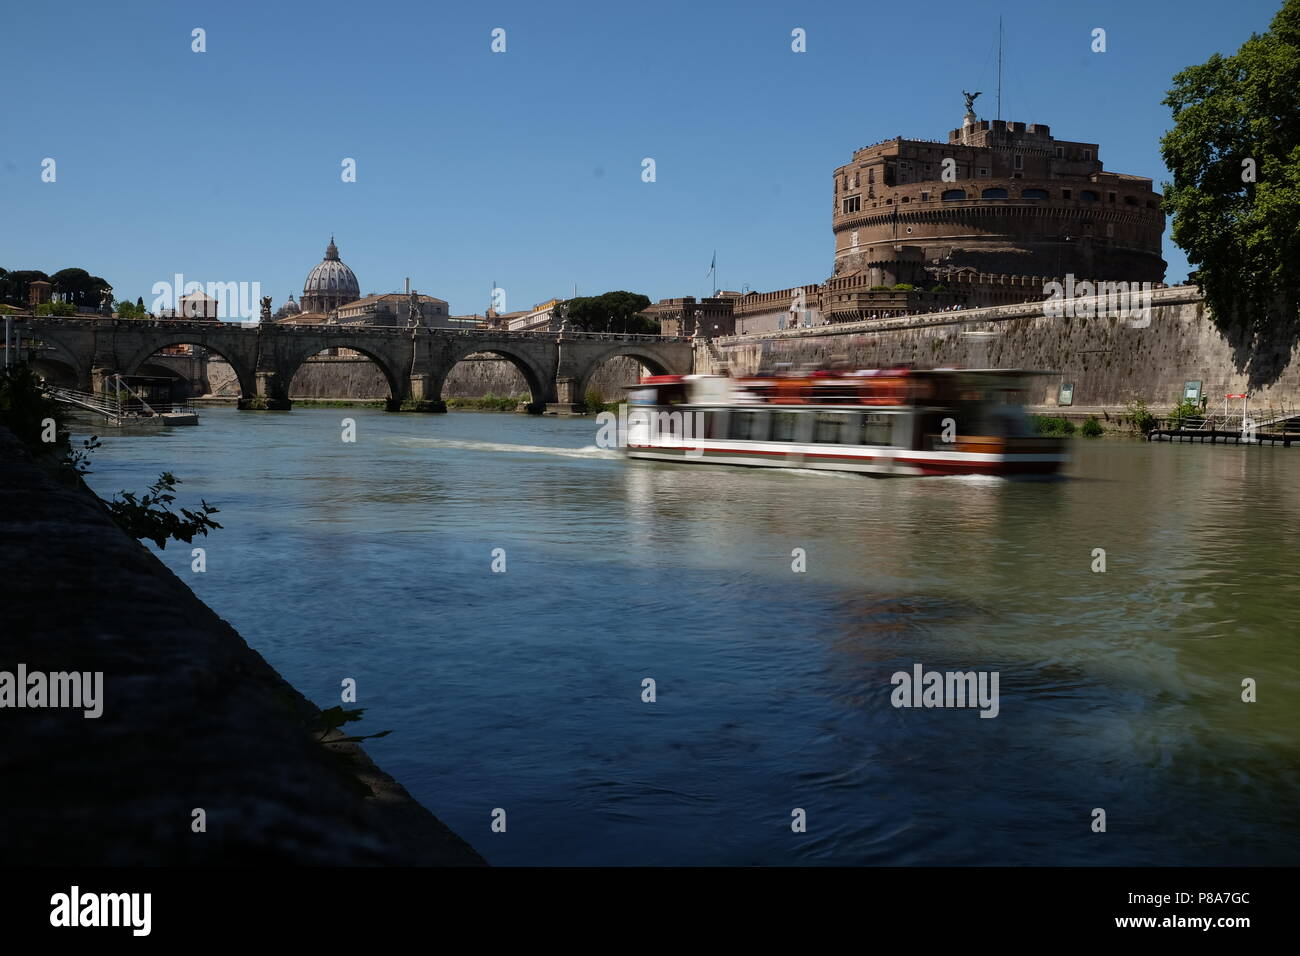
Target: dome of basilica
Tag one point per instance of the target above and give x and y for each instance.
(330, 285)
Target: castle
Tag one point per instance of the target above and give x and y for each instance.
(987, 218)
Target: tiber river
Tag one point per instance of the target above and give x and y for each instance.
(1120, 690)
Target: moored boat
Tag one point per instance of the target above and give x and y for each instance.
(897, 421)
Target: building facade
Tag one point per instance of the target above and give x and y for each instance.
(989, 217)
(999, 198)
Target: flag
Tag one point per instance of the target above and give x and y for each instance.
(714, 264)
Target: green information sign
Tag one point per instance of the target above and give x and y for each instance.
(1192, 391)
(1067, 394)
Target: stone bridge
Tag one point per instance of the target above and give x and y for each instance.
(556, 365)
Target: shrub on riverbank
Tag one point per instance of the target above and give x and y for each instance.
(489, 403)
(595, 402)
(1053, 425)
(1091, 428)
(1140, 418)
(40, 423)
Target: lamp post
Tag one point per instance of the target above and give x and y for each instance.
(1060, 249)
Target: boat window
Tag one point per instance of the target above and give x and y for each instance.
(827, 428)
(748, 426)
(876, 429)
(715, 423)
(784, 425)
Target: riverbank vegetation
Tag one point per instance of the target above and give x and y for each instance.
(1235, 196)
(488, 403)
(595, 402)
(41, 424)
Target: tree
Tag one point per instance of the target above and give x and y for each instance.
(612, 312)
(1234, 152)
(56, 308)
(14, 285)
(79, 287)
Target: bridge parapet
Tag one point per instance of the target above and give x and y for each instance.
(415, 362)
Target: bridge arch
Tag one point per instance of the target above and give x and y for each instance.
(57, 363)
(539, 379)
(243, 370)
(397, 379)
(647, 357)
(57, 371)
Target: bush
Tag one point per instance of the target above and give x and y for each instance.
(595, 402)
(1184, 410)
(903, 287)
(1091, 428)
(1050, 425)
(150, 516)
(1139, 417)
(489, 403)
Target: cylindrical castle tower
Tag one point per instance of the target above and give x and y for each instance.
(997, 198)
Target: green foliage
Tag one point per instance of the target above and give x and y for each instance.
(1139, 417)
(1184, 410)
(1243, 237)
(126, 309)
(1091, 428)
(32, 416)
(489, 402)
(336, 717)
(151, 516)
(595, 402)
(879, 288)
(611, 312)
(1051, 425)
(14, 285)
(903, 287)
(56, 309)
(79, 286)
(25, 409)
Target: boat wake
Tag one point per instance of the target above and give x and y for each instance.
(587, 451)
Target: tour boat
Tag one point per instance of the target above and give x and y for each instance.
(899, 421)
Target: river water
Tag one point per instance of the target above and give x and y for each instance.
(523, 690)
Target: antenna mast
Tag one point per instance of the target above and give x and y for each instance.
(999, 68)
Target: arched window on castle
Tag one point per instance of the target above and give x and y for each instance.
(951, 194)
(1033, 194)
(995, 192)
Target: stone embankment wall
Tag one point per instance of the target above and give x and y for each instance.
(192, 718)
(360, 378)
(1110, 360)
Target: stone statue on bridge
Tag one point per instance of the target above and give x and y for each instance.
(106, 301)
(413, 310)
(266, 308)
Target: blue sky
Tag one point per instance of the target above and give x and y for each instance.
(524, 167)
